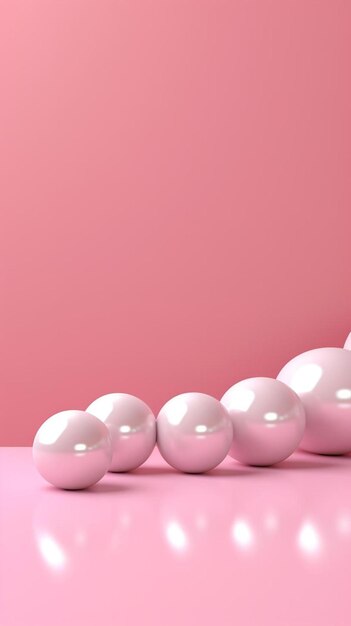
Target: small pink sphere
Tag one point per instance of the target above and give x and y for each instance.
(72, 450)
(194, 432)
(268, 420)
(322, 379)
(132, 425)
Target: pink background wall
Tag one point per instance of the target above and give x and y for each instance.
(175, 196)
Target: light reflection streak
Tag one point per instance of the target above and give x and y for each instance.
(242, 534)
(309, 540)
(51, 552)
(176, 536)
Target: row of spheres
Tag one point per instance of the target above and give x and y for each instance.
(258, 421)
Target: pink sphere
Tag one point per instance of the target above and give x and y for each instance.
(72, 450)
(268, 420)
(322, 379)
(132, 425)
(194, 432)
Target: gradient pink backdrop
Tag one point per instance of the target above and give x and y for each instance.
(175, 196)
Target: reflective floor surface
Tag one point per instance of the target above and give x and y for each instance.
(238, 546)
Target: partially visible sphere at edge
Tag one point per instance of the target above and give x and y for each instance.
(322, 379)
(347, 345)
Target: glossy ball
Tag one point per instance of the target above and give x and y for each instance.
(268, 420)
(322, 379)
(194, 432)
(132, 425)
(72, 450)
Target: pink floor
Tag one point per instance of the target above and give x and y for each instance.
(238, 546)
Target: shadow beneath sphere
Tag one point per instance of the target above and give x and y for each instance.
(98, 488)
(303, 464)
(153, 471)
(109, 488)
(218, 471)
(235, 472)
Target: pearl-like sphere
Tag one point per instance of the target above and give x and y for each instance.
(132, 425)
(322, 379)
(72, 450)
(268, 420)
(194, 432)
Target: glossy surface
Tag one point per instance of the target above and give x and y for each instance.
(194, 432)
(268, 420)
(72, 450)
(132, 426)
(240, 545)
(322, 379)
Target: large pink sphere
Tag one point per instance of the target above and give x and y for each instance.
(268, 420)
(194, 432)
(322, 379)
(72, 450)
(132, 425)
